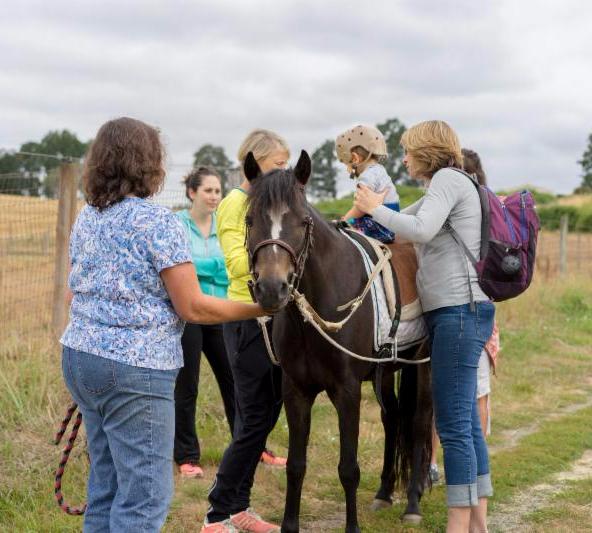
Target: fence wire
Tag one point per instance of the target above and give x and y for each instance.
(28, 248)
(27, 256)
(28, 252)
(579, 254)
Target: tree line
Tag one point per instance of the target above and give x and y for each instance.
(38, 175)
(325, 167)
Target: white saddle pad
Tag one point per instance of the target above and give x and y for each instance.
(410, 332)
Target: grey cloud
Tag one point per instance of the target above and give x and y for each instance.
(210, 73)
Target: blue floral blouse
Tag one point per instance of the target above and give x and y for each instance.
(121, 309)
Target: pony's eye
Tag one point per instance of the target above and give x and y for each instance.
(248, 221)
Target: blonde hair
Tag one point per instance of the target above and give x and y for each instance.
(433, 144)
(262, 143)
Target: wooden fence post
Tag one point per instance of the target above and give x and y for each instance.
(563, 227)
(66, 215)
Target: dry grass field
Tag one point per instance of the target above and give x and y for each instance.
(27, 256)
(576, 200)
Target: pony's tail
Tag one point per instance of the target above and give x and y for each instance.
(413, 448)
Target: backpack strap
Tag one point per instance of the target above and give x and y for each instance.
(470, 176)
(448, 227)
(485, 216)
(454, 234)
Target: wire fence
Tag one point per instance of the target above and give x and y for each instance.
(28, 229)
(27, 256)
(577, 255)
(30, 235)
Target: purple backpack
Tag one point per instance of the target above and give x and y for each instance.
(509, 231)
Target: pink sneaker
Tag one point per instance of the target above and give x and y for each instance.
(191, 470)
(270, 459)
(250, 522)
(218, 527)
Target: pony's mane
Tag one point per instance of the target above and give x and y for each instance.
(274, 189)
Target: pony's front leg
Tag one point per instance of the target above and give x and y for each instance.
(298, 407)
(347, 403)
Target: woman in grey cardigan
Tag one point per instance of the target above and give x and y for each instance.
(458, 313)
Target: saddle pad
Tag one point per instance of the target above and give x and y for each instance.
(404, 267)
(409, 332)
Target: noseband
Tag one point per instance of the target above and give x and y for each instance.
(298, 260)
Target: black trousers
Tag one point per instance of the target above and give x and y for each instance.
(209, 339)
(257, 391)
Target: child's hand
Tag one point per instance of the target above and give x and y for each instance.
(366, 200)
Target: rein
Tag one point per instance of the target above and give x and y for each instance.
(309, 314)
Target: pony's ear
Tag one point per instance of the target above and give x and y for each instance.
(250, 167)
(303, 168)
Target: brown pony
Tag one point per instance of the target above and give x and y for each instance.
(290, 245)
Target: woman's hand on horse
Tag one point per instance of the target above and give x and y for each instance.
(192, 305)
(366, 199)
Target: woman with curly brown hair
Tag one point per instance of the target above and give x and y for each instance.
(133, 285)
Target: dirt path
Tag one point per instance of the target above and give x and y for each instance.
(333, 521)
(511, 437)
(510, 517)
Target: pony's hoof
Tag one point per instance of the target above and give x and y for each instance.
(411, 518)
(378, 504)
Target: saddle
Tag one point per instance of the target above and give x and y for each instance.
(404, 265)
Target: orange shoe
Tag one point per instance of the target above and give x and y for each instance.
(190, 470)
(270, 459)
(218, 527)
(250, 522)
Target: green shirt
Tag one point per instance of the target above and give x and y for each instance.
(207, 256)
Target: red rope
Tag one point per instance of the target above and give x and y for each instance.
(64, 459)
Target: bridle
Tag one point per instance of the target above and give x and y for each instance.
(298, 260)
(387, 352)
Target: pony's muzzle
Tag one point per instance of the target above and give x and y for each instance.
(271, 293)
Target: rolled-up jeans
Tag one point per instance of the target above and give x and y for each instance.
(129, 415)
(458, 335)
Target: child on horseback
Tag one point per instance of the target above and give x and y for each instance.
(362, 149)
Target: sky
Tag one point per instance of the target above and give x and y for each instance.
(513, 77)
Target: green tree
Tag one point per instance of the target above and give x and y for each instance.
(63, 144)
(30, 169)
(15, 178)
(586, 164)
(214, 156)
(393, 129)
(9, 163)
(323, 180)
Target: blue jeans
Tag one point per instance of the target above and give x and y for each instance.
(458, 336)
(129, 414)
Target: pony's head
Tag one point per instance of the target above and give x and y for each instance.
(279, 230)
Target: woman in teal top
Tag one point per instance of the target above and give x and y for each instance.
(204, 190)
(206, 252)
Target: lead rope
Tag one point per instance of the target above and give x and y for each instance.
(65, 456)
(308, 315)
(305, 310)
(263, 325)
